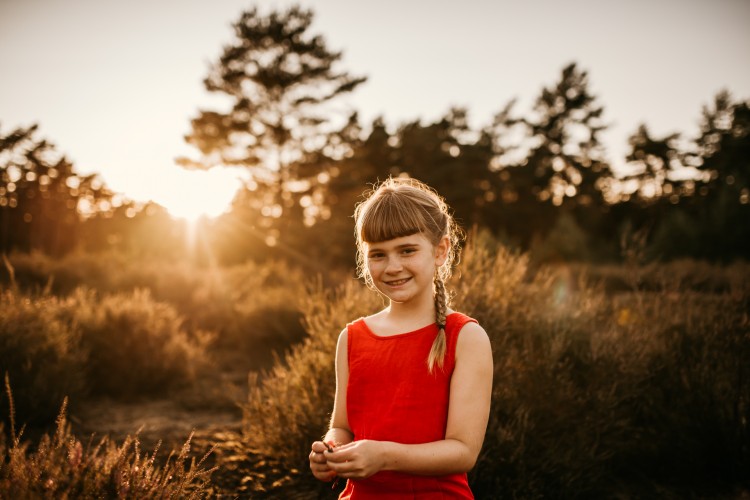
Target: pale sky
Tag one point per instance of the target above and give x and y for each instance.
(114, 84)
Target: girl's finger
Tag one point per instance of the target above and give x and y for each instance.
(338, 456)
(341, 467)
(318, 446)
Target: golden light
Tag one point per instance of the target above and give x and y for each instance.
(196, 194)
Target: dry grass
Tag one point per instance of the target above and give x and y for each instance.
(610, 381)
(120, 345)
(641, 393)
(60, 466)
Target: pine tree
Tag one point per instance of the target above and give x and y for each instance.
(41, 196)
(280, 81)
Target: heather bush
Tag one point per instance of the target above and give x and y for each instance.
(596, 393)
(36, 271)
(120, 345)
(253, 308)
(639, 393)
(136, 344)
(61, 466)
(674, 276)
(41, 353)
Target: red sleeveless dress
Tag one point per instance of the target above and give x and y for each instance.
(392, 396)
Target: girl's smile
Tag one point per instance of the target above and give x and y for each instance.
(397, 282)
(403, 268)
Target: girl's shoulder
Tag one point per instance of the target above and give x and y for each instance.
(371, 320)
(459, 325)
(472, 335)
(458, 318)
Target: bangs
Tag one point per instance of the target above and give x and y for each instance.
(389, 217)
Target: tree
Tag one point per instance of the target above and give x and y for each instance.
(722, 194)
(451, 158)
(280, 81)
(281, 126)
(724, 147)
(41, 197)
(551, 159)
(655, 162)
(566, 155)
(696, 202)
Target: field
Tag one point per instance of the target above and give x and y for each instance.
(611, 381)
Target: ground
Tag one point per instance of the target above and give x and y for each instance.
(210, 409)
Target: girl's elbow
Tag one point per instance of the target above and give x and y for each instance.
(468, 460)
(468, 464)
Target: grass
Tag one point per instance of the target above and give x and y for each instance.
(625, 381)
(643, 393)
(61, 466)
(43, 354)
(253, 308)
(121, 345)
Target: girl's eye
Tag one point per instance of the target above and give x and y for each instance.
(408, 250)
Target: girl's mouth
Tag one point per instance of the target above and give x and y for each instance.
(397, 282)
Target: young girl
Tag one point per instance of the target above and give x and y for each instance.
(413, 381)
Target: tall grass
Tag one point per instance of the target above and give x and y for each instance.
(136, 345)
(253, 308)
(60, 466)
(598, 394)
(641, 393)
(42, 353)
(120, 345)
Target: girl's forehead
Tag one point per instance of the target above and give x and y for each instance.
(412, 239)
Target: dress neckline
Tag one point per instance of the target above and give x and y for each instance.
(401, 335)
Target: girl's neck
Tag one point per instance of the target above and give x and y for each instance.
(406, 313)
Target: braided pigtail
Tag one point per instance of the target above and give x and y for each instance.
(439, 346)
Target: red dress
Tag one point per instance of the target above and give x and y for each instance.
(392, 396)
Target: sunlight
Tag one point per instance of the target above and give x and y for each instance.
(196, 194)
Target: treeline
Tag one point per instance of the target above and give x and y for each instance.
(538, 179)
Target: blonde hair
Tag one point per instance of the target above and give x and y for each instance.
(402, 207)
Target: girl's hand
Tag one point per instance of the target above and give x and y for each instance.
(356, 460)
(318, 464)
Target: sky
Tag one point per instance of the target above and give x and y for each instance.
(114, 84)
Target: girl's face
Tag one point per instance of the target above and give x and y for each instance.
(403, 268)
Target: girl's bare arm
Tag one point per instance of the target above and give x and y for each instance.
(338, 432)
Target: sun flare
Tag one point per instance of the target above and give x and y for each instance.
(196, 194)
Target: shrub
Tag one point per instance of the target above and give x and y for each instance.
(61, 467)
(36, 271)
(596, 395)
(41, 353)
(644, 393)
(253, 308)
(121, 345)
(136, 344)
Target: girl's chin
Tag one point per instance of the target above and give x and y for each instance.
(395, 295)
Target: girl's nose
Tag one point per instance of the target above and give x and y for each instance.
(394, 266)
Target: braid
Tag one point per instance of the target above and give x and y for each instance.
(439, 346)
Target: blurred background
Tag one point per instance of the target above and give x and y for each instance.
(177, 181)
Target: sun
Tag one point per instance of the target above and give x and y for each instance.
(195, 194)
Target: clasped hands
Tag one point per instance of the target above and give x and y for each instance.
(355, 460)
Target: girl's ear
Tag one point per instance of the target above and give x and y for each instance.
(441, 250)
